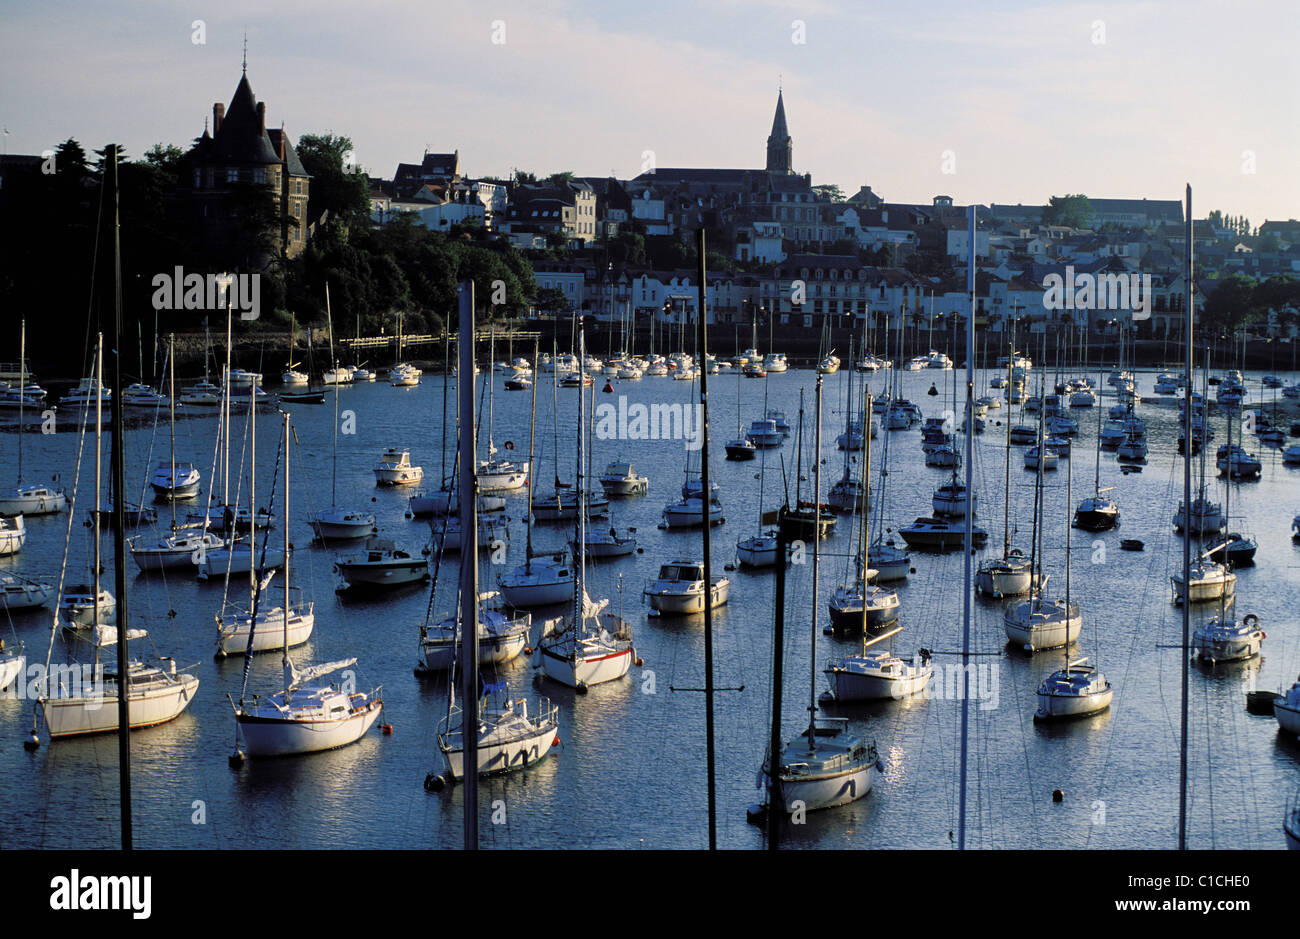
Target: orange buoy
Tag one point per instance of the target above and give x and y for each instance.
(639, 661)
(528, 650)
(387, 729)
(555, 742)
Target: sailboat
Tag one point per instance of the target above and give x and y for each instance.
(808, 520)
(1079, 689)
(592, 645)
(1098, 512)
(337, 522)
(1039, 623)
(305, 716)
(857, 604)
(741, 447)
(878, 675)
(291, 376)
(1205, 579)
(28, 498)
(241, 632)
(542, 579)
(760, 549)
(826, 765)
(891, 561)
(1012, 574)
(1237, 550)
(172, 480)
(498, 475)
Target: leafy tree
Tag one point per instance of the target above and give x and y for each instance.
(830, 192)
(333, 189)
(552, 300)
(561, 178)
(164, 157)
(1072, 210)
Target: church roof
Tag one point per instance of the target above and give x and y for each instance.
(779, 130)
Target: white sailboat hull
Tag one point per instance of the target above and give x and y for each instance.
(757, 552)
(499, 757)
(1063, 705)
(439, 654)
(284, 737)
(853, 686)
(69, 717)
(826, 792)
(584, 670)
(232, 636)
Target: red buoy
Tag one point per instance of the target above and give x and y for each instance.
(387, 729)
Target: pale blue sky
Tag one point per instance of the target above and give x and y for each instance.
(1021, 94)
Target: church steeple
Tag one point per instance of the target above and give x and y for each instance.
(780, 148)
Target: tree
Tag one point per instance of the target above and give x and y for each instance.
(560, 179)
(333, 189)
(165, 157)
(830, 192)
(552, 300)
(1072, 210)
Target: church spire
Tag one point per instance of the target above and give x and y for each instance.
(780, 148)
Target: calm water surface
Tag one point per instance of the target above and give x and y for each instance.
(630, 771)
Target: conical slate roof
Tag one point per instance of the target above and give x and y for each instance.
(241, 138)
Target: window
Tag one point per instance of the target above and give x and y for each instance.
(232, 174)
(259, 174)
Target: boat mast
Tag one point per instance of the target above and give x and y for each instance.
(532, 438)
(118, 489)
(1006, 482)
(171, 406)
(1187, 520)
(817, 539)
(863, 542)
(252, 499)
(579, 623)
(446, 368)
(22, 375)
(225, 403)
(469, 564)
(702, 333)
(970, 525)
(252, 541)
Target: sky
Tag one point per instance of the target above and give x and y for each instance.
(1012, 102)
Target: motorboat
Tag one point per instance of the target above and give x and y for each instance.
(395, 469)
(679, 588)
(175, 481)
(621, 479)
(941, 534)
(340, 524)
(382, 564)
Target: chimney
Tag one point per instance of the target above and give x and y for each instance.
(218, 112)
(261, 117)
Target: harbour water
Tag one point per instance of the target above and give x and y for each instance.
(630, 770)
